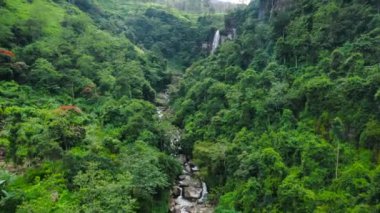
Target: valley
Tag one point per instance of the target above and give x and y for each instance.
(189, 106)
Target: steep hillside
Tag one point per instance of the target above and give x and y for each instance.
(193, 6)
(286, 118)
(170, 33)
(78, 128)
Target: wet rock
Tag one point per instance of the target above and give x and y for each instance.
(192, 193)
(177, 209)
(180, 201)
(189, 181)
(205, 209)
(182, 177)
(182, 158)
(176, 191)
(172, 206)
(194, 169)
(187, 168)
(186, 209)
(185, 182)
(189, 209)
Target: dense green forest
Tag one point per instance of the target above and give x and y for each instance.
(78, 124)
(169, 33)
(284, 118)
(287, 117)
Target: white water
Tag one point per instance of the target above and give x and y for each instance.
(160, 112)
(189, 179)
(215, 42)
(181, 204)
(204, 193)
(234, 33)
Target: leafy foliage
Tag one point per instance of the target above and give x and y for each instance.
(283, 119)
(286, 117)
(76, 104)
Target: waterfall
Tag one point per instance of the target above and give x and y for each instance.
(204, 193)
(215, 42)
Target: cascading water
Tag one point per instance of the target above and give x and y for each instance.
(189, 194)
(234, 33)
(204, 193)
(215, 42)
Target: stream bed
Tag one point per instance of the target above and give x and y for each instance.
(189, 192)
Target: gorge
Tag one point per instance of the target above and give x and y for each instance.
(189, 107)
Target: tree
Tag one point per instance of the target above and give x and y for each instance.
(293, 196)
(43, 74)
(354, 180)
(99, 190)
(370, 136)
(211, 157)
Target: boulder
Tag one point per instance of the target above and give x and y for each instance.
(186, 209)
(189, 181)
(189, 209)
(180, 201)
(192, 193)
(182, 158)
(194, 169)
(187, 168)
(176, 191)
(177, 209)
(182, 177)
(185, 182)
(172, 206)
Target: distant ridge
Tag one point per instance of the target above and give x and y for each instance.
(200, 6)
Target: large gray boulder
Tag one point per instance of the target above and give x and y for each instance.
(189, 181)
(182, 177)
(192, 193)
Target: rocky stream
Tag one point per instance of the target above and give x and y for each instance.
(189, 192)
